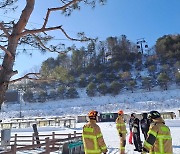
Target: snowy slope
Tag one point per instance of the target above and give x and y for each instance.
(129, 102)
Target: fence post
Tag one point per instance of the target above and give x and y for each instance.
(13, 149)
(36, 133)
(69, 135)
(15, 139)
(70, 150)
(33, 136)
(47, 145)
(74, 133)
(53, 137)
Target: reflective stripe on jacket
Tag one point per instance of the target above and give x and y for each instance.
(159, 139)
(120, 125)
(93, 139)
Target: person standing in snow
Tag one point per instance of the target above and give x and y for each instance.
(159, 138)
(131, 120)
(134, 127)
(145, 123)
(92, 137)
(121, 128)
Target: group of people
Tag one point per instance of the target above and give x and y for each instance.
(156, 134)
(134, 126)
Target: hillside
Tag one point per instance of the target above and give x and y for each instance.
(106, 68)
(130, 102)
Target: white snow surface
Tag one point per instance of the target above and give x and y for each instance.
(110, 135)
(129, 102)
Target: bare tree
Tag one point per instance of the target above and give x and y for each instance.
(13, 34)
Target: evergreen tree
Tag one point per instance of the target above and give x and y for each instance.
(152, 70)
(147, 82)
(82, 81)
(100, 77)
(163, 80)
(131, 85)
(61, 92)
(177, 77)
(115, 87)
(72, 93)
(91, 89)
(28, 96)
(42, 96)
(102, 88)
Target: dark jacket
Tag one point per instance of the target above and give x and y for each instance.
(131, 121)
(145, 123)
(134, 125)
(135, 128)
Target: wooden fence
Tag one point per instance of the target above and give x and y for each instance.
(40, 121)
(48, 143)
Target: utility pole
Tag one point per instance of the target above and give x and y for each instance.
(140, 43)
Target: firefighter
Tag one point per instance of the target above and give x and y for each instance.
(145, 123)
(121, 128)
(92, 137)
(159, 139)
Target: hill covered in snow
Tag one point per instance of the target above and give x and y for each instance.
(130, 102)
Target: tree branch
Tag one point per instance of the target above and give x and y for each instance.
(42, 45)
(44, 29)
(26, 13)
(38, 30)
(53, 28)
(6, 51)
(57, 9)
(4, 29)
(81, 40)
(27, 76)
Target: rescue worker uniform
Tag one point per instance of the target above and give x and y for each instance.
(121, 128)
(159, 139)
(93, 139)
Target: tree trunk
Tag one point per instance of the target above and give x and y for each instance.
(7, 71)
(8, 62)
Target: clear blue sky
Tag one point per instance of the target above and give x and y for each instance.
(149, 19)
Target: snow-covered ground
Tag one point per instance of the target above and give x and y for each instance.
(129, 102)
(109, 133)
